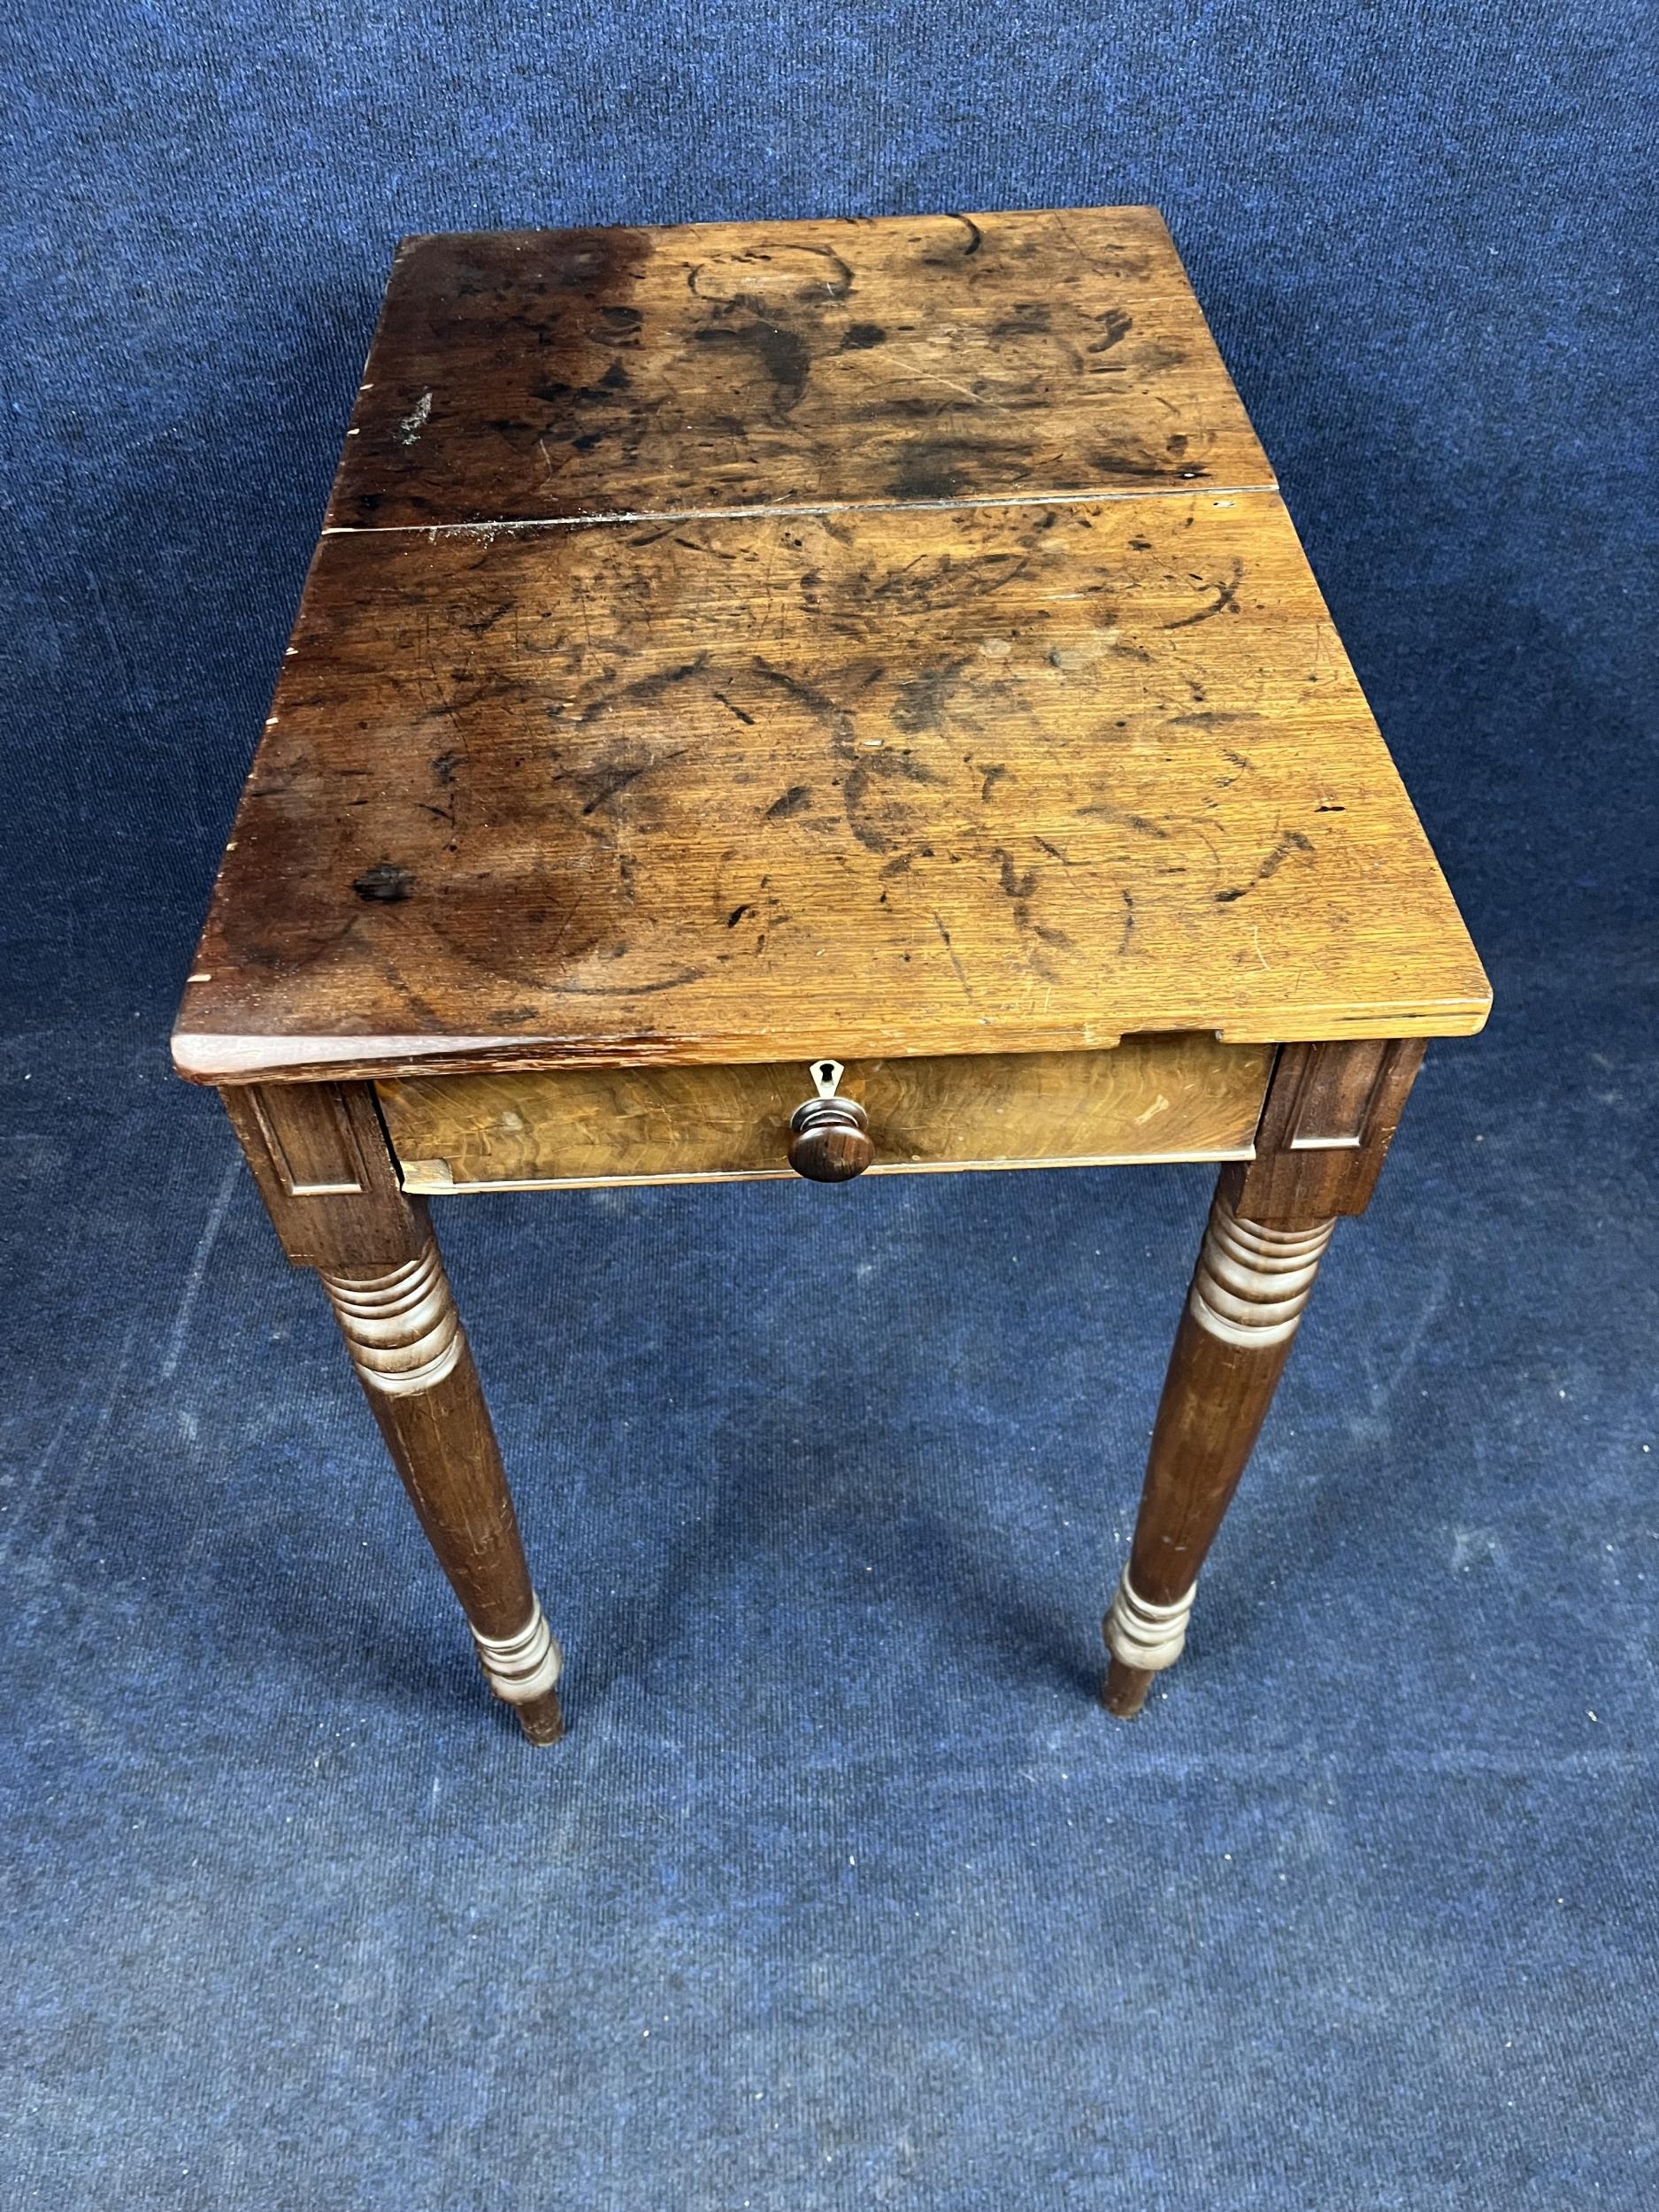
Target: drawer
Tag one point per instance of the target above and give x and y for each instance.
(1149, 1098)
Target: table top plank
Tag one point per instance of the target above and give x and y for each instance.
(541, 375)
(983, 778)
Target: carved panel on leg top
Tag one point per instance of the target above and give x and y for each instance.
(1331, 1114)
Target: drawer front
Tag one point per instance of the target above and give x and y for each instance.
(1149, 1098)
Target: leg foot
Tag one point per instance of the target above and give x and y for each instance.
(542, 1719)
(1124, 1689)
(523, 1672)
(1142, 1638)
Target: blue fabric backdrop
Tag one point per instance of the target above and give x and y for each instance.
(842, 1893)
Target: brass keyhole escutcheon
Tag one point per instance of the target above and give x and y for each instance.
(829, 1136)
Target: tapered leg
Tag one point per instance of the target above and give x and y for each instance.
(326, 1174)
(1246, 1298)
(1329, 1117)
(416, 1367)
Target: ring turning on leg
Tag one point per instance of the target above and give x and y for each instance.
(522, 1668)
(401, 1325)
(1252, 1282)
(320, 1154)
(1150, 1637)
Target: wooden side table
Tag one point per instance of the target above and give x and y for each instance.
(812, 697)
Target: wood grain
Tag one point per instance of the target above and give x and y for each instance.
(1153, 1098)
(553, 375)
(1022, 778)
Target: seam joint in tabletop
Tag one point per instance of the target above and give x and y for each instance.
(1191, 490)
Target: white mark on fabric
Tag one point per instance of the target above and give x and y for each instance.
(203, 1252)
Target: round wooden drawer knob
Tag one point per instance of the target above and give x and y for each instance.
(829, 1141)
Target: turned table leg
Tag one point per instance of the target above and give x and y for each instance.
(321, 1157)
(1329, 1113)
(1247, 1297)
(416, 1367)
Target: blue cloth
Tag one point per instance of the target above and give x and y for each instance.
(842, 1893)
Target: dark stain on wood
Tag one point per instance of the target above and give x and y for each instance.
(1292, 841)
(1115, 328)
(384, 884)
(782, 353)
(1227, 602)
(795, 800)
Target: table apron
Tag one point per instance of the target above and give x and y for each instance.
(1183, 1097)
